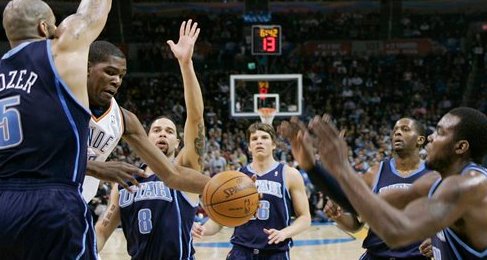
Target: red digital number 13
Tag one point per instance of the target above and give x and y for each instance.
(269, 44)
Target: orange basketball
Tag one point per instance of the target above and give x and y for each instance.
(230, 198)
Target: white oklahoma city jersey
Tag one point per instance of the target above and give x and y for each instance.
(105, 133)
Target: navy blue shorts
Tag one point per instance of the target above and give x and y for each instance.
(44, 221)
(243, 253)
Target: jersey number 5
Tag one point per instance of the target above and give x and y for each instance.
(10, 123)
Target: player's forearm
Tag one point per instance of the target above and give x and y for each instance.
(94, 15)
(388, 222)
(188, 180)
(92, 168)
(192, 92)
(96, 9)
(299, 225)
(105, 226)
(320, 177)
(211, 228)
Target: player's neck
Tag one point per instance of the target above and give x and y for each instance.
(149, 171)
(262, 165)
(407, 164)
(454, 168)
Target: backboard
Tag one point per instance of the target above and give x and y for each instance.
(248, 93)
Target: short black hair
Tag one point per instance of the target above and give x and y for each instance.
(473, 128)
(420, 128)
(101, 50)
(160, 117)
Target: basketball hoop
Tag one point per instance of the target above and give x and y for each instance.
(267, 114)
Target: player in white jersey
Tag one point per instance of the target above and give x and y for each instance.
(107, 67)
(105, 133)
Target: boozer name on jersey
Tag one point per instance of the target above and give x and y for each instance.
(274, 211)
(105, 133)
(154, 209)
(35, 137)
(446, 243)
(388, 178)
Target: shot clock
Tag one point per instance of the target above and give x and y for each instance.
(266, 40)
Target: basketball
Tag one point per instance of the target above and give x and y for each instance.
(230, 198)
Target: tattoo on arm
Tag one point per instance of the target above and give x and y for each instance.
(199, 144)
(108, 216)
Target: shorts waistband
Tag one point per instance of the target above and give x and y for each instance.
(256, 251)
(34, 184)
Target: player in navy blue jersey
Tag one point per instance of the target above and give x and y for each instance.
(451, 209)
(399, 172)
(44, 131)
(268, 235)
(156, 219)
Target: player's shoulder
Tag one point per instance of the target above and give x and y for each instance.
(292, 174)
(468, 187)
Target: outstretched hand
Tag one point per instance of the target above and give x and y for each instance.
(332, 210)
(114, 171)
(301, 145)
(198, 230)
(188, 34)
(275, 236)
(331, 146)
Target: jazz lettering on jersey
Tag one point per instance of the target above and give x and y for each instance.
(98, 139)
(397, 186)
(152, 190)
(18, 79)
(269, 187)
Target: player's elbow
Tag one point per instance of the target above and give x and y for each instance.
(396, 239)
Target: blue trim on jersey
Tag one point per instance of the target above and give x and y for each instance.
(179, 224)
(463, 244)
(66, 109)
(475, 167)
(377, 177)
(392, 163)
(273, 166)
(95, 249)
(452, 246)
(73, 127)
(16, 49)
(86, 229)
(284, 192)
(190, 202)
(58, 77)
(434, 187)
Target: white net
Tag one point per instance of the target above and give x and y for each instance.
(267, 114)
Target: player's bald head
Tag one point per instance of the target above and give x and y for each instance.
(21, 20)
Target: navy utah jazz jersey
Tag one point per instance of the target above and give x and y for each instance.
(389, 178)
(157, 221)
(446, 243)
(274, 211)
(43, 129)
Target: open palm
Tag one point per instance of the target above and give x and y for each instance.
(188, 34)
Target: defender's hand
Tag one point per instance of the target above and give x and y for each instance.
(113, 171)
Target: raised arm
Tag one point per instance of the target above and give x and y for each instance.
(72, 40)
(175, 177)
(191, 155)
